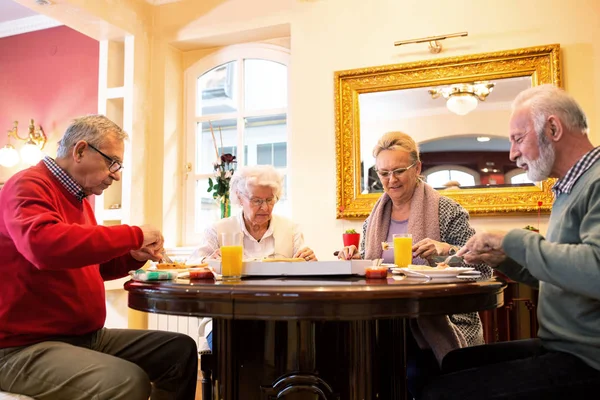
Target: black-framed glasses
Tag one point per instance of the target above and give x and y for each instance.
(114, 166)
(397, 172)
(255, 202)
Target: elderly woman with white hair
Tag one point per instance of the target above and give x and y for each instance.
(256, 189)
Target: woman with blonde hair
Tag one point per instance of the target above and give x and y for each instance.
(439, 227)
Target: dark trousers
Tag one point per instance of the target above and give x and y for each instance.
(421, 366)
(111, 364)
(513, 370)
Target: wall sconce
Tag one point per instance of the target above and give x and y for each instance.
(31, 152)
(462, 98)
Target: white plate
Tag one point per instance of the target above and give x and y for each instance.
(433, 272)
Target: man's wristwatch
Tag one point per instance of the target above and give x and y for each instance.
(453, 250)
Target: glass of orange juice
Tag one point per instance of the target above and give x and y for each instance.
(402, 249)
(231, 255)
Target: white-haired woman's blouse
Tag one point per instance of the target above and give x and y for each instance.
(282, 239)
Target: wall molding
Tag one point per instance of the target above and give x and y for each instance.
(27, 24)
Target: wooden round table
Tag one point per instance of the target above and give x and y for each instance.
(311, 338)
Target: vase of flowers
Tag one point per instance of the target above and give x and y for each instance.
(224, 168)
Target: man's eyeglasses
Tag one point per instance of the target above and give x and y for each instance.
(259, 202)
(114, 166)
(397, 172)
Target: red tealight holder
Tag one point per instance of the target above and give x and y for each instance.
(374, 272)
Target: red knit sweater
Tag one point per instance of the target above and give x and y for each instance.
(54, 259)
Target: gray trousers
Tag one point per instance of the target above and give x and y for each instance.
(110, 364)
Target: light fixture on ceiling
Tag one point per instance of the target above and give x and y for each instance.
(483, 138)
(31, 152)
(462, 98)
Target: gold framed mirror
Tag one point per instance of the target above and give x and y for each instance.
(353, 89)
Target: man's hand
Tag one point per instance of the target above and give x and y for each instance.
(152, 237)
(427, 248)
(484, 247)
(145, 254)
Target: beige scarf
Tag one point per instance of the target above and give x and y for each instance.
(435, 332)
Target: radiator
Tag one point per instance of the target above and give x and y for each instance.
(172, 323)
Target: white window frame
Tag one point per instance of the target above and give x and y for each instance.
(231, 53)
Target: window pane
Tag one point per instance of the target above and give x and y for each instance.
(265, 84)
(439, 178)
(216, 90)
(521, 178)
(261, 134)
(225, 132)
(264, 154)
(207, 210)
(462, 177)
(283, 206)
(280, 155)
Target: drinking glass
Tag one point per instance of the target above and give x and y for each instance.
(402, 249)
(231, 255)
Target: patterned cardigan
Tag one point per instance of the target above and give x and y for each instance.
(455, 230)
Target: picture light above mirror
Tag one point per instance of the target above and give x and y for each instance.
(372, 101)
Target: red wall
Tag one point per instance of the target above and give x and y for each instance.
(50, 76)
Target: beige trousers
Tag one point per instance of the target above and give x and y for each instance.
(108, 364)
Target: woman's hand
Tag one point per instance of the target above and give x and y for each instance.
(348, 253)
(427, 248)
(306, 253)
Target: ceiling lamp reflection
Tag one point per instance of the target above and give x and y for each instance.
(462, 98)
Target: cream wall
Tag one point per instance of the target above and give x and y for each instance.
(325, 36)
(330, 35)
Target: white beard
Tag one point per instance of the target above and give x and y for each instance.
(541, 168)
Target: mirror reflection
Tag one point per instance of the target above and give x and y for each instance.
(467, 147)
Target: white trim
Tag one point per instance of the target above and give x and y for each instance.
(27, 24)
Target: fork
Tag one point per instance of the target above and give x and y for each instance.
(166, 258)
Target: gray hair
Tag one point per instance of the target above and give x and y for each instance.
(256, 175)
(94, 129)
(397, 141)
(546, 100)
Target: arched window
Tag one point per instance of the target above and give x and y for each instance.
(520, 178)
(242, 91)
(437, 177)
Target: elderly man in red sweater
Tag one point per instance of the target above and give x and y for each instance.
(55, 259)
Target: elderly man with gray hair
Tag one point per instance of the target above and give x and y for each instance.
(55, 259)
(548, 134)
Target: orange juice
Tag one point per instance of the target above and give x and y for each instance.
(231, 262)
(402, 251)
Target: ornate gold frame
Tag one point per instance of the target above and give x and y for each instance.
(541, 63)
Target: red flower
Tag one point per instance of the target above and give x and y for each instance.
(227, 158)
